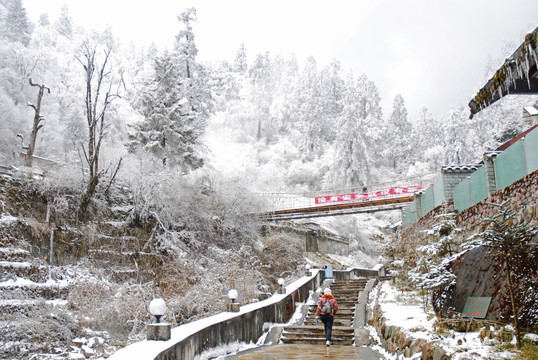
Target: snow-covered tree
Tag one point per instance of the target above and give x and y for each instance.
(65, 23)
(99, 94)
(507, 240)
(262, 85)
(309, 116)
(399, 135)
(175, 102)
(454, 139)
(353, 145)
(16, 25)
(240, 62)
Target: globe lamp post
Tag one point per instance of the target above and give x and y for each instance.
(158, 330)
(281, 289)
(157, 308)
(233, 306)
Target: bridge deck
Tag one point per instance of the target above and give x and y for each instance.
(340, 209)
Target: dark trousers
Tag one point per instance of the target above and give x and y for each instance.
(327, 320)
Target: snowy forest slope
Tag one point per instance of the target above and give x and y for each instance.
(175, 152)
(293, 126)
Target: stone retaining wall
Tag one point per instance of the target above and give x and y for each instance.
(397, 342)
(523, 197)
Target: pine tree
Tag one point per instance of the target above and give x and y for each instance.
(175, 103)
(507, 240)
(240, 62)
(65, 23)
(353, 145)
(309, 112)
(261, 93)
(333, 87)
(399, 134)
(17, 26)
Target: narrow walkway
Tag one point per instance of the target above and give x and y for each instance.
(308, 352)
(346, 293)
(307, 340)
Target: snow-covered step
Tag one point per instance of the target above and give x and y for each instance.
(136, 259)
(112, 238)
(21, 289)
(8, 306)
(10, 270)
(126, 274)
(14, 254)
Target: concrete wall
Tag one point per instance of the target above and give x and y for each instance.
(351, 273)
(316, 240)
(451, 178)
(331, 245)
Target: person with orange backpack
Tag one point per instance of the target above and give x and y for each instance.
(327, 308)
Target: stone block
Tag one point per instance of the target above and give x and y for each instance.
(158, 331)
(362, 337)
(233, 307)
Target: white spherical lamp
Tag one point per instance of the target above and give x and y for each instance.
(157, 308)
(232, 294)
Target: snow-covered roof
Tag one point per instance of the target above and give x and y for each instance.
(531, 110)
(492, 154)
(460, 168)
(518, 75)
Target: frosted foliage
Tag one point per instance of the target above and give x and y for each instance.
(176, 102)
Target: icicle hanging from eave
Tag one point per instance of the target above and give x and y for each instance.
(516, 67)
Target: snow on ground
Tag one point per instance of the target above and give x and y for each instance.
(15, 264)
(405, 310)
(6, 219)
(21, 282)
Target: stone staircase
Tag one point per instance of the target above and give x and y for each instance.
(346, 293)
(36, 312)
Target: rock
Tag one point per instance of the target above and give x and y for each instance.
(416, 346)
(87, 351)
(439, 353)
(79, 342)
(427, 351)
(76, 356)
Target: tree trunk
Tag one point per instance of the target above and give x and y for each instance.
(36, 125)
(508, 272)
(87, 197)
(95, 116)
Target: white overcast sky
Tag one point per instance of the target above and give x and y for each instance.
(432, 52)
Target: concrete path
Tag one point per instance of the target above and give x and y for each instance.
(307, 352)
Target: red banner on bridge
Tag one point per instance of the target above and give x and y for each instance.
(398, 190)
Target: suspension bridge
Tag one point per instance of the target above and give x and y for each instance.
(373, 205)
